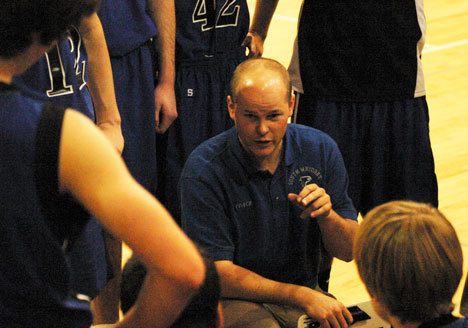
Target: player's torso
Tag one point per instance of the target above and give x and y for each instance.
(210, 27)
(33, 267)
(127, 25)
(360, 51)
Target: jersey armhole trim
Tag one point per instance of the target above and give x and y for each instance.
(48, 149)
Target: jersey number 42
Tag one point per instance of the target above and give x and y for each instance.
(205, 13)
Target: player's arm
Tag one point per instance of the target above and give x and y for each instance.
(163, 14)
(101, 83)
(93, 172)
(240, 283)
(258, 31)
(337, 232)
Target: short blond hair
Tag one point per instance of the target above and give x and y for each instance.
(410, 259)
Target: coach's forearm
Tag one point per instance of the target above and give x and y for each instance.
(240, 283)
(338, 235)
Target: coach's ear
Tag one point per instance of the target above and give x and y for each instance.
(231, 108)
(292, 103)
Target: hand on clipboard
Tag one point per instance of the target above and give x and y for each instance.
(360, 316)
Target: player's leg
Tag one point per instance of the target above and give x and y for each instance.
(134, 90)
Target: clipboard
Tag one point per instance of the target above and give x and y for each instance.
(363, 314)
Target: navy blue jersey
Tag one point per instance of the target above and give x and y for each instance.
(37, 223)
(126, 24)
(361, 50)
(60, 76)
(207, 27)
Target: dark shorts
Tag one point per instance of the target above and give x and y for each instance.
(385, 146)
(90, 269)
(245, 314)
(134, 90)
(201, 90)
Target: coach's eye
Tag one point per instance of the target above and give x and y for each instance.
(273, 116)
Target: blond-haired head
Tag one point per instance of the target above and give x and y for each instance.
(410, 259)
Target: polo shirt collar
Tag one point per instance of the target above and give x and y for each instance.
(292, 150)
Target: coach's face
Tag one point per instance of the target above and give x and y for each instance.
(260, 113)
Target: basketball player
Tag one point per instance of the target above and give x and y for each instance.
(211, 40)
(62, 76)
(411, 279)
(361, 81)
(52, 157)
(144, 107)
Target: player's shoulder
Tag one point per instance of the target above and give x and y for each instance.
(20, 103)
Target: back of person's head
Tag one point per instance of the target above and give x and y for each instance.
(409, 257)
(259, 68)
(48, 19)
(202, 311)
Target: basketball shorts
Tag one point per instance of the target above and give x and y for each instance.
(385, 147)
(134, 90)
(201, 90)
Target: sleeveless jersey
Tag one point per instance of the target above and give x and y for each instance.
(207, 28)
(362, 50)
(126, 25)
(60, 76)
(37, 223)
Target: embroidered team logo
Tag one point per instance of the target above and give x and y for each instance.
(302, 176)
(305, 180)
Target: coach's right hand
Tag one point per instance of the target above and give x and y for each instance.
(329, 312)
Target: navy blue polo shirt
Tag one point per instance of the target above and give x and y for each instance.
(240, 214)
